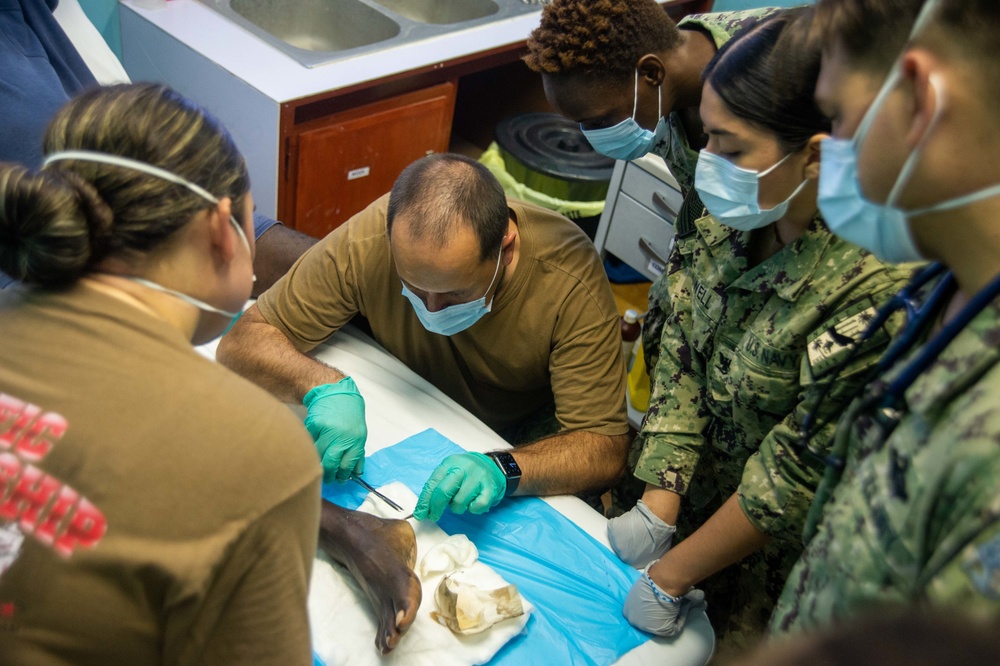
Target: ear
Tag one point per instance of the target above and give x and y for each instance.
(811, 168)
(222, 235)
(508, 244)
(918, 66)
(651, 70)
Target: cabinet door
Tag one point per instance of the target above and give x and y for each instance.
(355, 156)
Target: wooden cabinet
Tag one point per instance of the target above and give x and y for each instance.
(341, 163)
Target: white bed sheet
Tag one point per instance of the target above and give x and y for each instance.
(400, 403)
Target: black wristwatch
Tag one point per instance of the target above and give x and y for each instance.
(505, 461)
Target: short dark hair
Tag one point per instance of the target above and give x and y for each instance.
(872, 33)
(603, 38)
(742, 73)
(966, 31)
(438, 191)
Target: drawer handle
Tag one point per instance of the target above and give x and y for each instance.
(650, 251)
(660, 202)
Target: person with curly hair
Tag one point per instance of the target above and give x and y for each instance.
(607, 63)
(632, 78)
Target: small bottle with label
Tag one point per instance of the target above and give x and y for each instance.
(631, 328)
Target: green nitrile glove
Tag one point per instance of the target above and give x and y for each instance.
(462, 482)
(336, 420)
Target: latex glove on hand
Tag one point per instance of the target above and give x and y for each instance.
(336, 420)
(639, 537)
(649, 608)
(462, 482)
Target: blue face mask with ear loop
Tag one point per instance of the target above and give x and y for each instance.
(135, 165)
(628, 140)
(882, 230)
(454, 318)
(730, 193)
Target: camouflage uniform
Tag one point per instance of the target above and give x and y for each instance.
(916, 517)
(741, 348)
(681, 159)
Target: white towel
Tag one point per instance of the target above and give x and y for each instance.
(343, 625)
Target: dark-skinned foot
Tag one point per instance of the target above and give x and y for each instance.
(380, 553)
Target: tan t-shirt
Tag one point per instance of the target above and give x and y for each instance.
(154, 507)
(552, 333)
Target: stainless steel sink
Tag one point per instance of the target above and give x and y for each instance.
(317, 25)
(441, 12)
(317, 32)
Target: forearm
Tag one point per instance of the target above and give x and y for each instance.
(727, 537)
(571, 462)
(260, 352)
(665, 504)
(276, 250)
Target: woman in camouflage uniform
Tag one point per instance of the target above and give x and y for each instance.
(760, 308)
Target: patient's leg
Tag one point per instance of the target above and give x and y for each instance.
(380, 554)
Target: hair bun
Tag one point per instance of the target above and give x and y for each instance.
(51, 222)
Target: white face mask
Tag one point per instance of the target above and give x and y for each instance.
(135, 165)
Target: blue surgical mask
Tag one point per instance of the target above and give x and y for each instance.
(730, 193)
(880, 229)
(883, 230)
(454, 318)
(628, 140)
(135, 165)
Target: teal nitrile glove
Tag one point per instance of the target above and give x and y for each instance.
(336, 421)
(462, 482)
(649, 608)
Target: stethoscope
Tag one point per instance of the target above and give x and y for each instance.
(888, 400)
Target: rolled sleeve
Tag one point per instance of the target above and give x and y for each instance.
(672, 433)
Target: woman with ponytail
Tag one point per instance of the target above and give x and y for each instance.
(154, 506)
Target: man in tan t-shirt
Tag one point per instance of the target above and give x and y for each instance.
(502, 305)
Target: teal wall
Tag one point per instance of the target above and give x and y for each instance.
(726, 5)
(104, 15)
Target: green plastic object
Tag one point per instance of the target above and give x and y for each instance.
(494, 160)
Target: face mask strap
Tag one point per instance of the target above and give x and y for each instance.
(201, 305)
(761, 174)
(910, 165)
(635, 95)
(495, 273)
(635, 98)
(136, 165)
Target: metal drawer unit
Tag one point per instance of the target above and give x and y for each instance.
(637, 224)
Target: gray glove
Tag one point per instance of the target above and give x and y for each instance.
(638, 537)
(649, 608)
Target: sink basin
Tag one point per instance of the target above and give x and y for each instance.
(318, 25)
(441, 12)
(317, 32)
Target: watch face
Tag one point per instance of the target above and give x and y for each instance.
(507, 464)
